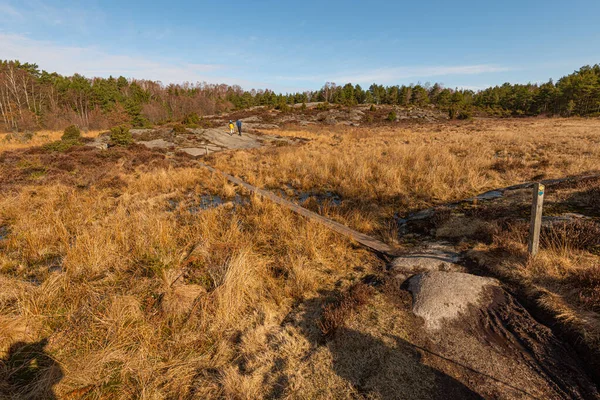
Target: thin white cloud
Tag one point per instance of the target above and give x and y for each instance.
(74, 17)
(92, 62)
(6, 10)
(387, 75)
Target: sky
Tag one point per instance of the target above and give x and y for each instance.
(296, 45)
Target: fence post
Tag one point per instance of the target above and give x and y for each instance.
(536, 219)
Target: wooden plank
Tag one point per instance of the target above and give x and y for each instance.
(536, 219)
(361, 238)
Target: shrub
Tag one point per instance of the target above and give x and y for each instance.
(71, 133)
(120, 136)
(139, 121)
(283, 107)
(337, 313)
(372, 108)
(392, 116)
(179, 129)
(454, 113)
(61, 145)
(191, 119)
(70, 138)
(464, 114)
(303, 106)
(323, 106)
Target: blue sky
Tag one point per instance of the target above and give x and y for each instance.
(295, 45)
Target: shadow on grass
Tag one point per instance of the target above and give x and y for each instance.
(29, 372)
(390, 371)
(385, 369)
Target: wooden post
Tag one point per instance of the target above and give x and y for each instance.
(536, 219)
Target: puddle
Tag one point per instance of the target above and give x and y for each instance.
(321, 198)
(55, 268)
(330, 198)
(4, 231)
(207, 201)
(491, 195)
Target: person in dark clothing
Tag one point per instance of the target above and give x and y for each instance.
(239, 126)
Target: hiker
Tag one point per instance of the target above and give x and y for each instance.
(239, 125)
(231, 127)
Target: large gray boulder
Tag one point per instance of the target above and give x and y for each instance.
(442, 297)
(471, 322)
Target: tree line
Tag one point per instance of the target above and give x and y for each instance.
(31, 98)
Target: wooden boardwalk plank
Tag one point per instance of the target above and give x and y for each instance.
(361, 238)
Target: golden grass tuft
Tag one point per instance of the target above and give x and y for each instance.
(9, 141)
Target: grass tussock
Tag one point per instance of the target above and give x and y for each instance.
(137, 299)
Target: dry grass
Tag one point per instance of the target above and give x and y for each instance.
(567, 268)
(142, 294)
(381, 171)
(10, 141)
(138, 300)
(564, 278)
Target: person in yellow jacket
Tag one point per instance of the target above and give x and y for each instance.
(231, 127)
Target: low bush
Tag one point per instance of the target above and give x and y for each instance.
(70, 137)
(283, 107)
(120, 136)
(323, 106)
(192, 119)
(392, 116)
(71, 133)
(61, 145)
(372, 108)
(179, 129)
(454, 113)
(337, 313)
(465, 114)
